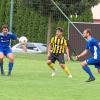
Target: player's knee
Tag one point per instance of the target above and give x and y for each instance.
(1, 56)
(62, 66)
(83, 64)
(48, 62)
(11, 57)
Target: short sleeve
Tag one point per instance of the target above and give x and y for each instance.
(14, 37)
(95, 42)
(52, 40)
(87, 45)
(65, 42)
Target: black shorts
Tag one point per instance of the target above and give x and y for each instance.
(59, 57)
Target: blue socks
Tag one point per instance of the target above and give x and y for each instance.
(10, 67)
(1, 64)
(88, 71)
(1, 67)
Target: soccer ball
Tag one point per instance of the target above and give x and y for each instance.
(23, 40)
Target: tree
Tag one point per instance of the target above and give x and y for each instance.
(70, 7)
(4, 12)
(32, 18)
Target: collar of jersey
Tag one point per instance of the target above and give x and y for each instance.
(5, 35)
(89, 39)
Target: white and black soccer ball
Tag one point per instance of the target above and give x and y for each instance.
(23, 40)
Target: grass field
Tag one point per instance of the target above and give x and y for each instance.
(31, 80)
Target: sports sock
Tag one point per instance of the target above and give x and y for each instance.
(52, 66)
(67, 70)
(88, 71)
(10, 67)
(1, 66)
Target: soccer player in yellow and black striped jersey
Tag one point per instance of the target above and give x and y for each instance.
(56, 50)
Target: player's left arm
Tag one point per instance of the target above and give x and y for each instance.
(67, 50)
(82, 54)
(14, 37)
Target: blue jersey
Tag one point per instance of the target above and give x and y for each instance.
(92, 45)
(5, 40)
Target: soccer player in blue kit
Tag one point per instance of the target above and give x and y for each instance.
(5, 49)
(94, 46)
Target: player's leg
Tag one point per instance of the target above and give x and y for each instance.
(1, 63)
(1, 66)
(10, 56)
(11, 62)
(85, 67)
(97, 66)
(98, 69)
(61, 60)
(50, 62)
(66, 69)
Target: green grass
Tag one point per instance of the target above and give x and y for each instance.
(31, 80)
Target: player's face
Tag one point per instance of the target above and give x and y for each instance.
(5, 30)
(85, 34)
(58, 33)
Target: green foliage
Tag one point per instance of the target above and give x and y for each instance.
(63, 24)
(4, 12)
(31, 16)
(68, 6)
(29, 23)
(85, 16)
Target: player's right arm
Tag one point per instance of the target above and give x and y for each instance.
(82, 54)
(50, 46)
(13, 36)
(49, 49)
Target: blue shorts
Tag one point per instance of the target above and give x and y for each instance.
(92, 61)
(6, 51)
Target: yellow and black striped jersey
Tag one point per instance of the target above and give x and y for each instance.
(58, 44)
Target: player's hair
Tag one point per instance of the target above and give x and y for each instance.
(88, 30)
(60, 29)
(4, 26)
